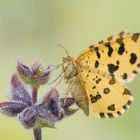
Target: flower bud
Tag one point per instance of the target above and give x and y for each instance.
(35, 75)
(28, 117)
(12, 108)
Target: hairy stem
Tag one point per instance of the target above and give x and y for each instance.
(37, 131)
(34, 95)
(37, 134)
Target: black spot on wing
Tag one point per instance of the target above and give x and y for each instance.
(98, 81)
(125, 107)
(98, 96)
(97, 52)
(110, 38)
(135, 72)
(118, 62)
(119, 113)
(126, 92)
(129, 102)
(93, 87)
(138, 65)
(135, 37)
(119, 41)
(133, 58)
(110, 115)
(112, 81)
(121, 34)
(112, 68)
(96, 64)
(106, 90)
(101, 42)
(94, 99)
(110, 49)
(111, 107)
(125, 76)
(121, 49)
(91, 47)
(102, 115)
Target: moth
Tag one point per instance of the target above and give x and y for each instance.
(97, 77)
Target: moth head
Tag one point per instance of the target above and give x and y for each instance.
(69, 67)
(67, 59)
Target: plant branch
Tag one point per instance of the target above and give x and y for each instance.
(37, 131)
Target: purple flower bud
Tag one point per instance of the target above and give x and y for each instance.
(67, 102)
(50, 109)
(28, 117)
(24, 72)
(53, 108)
(46, 115)
(35, 76)
(19, 91)
(52, 95)
(12, 108)
(42, 77)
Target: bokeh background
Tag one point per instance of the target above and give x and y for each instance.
(31, 28)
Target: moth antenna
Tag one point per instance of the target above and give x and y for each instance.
(60, 45)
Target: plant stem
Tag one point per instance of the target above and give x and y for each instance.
(37, 131)
(37, 134)
(34, 95)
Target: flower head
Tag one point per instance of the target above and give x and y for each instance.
(44, 114)
(35, 75)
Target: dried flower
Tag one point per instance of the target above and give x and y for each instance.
(44, 114)
(35, 75)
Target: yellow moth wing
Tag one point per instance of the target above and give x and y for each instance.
(107, 97)
(120, 58)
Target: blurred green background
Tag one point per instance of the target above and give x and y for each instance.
(28, 30)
